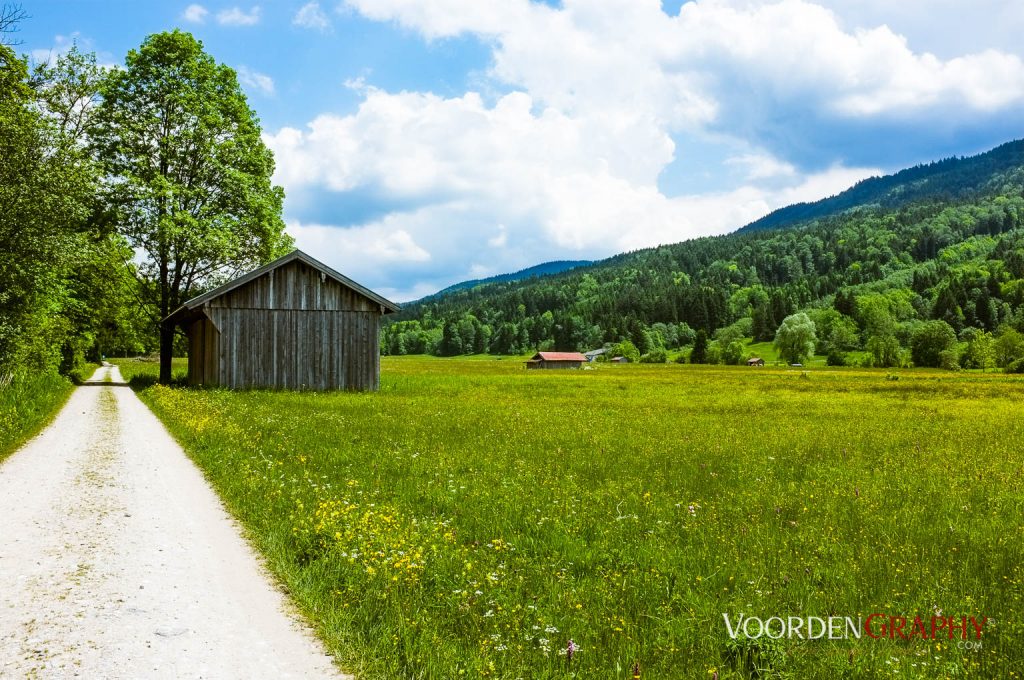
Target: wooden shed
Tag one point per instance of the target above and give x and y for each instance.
(294, 323)
(755, 361)
(556, 360)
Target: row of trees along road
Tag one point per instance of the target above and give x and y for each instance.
(123, 192)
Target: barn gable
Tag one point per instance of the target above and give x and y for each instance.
(294, 324)
(292, 287)
(295, 286)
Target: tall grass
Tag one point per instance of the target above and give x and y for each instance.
(26, 405)
(472, 517)
(144, 372)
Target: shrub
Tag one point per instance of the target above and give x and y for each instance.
(836, 357)
(655, 356)
(1016, 366)
(1009, 346)
(733, 353)
(950, 359)
(714, 354)
(885, 351)
(625, 349)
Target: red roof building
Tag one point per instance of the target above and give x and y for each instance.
(556, 360)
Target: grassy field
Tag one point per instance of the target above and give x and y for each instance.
(145, 371)
(28, 405)
(472, 517)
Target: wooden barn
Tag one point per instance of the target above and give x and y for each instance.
(294, 323)
(556, 360)
(755, 361)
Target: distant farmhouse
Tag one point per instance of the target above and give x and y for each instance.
(556, 360)
(755, 361)
(593, 354)
(619, 360)
(294, 323)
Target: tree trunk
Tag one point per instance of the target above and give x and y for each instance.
(166, 352)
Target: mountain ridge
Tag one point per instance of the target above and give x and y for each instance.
(885, 190)
(542, 269)
(898, 188)
(939, 242)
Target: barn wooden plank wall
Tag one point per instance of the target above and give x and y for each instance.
(290, 328)
(203, 340)
(295, 286)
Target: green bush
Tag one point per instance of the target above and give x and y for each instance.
(949, 359)
(836, 357)
(625, 349)
(1016, 366)
(655, 356)
(733, 353)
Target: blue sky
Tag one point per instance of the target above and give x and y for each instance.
(424, 142)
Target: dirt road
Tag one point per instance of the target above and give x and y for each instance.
(118, 561)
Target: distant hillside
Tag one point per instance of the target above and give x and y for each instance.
(950, 179)
(938, 247)
(555, 267)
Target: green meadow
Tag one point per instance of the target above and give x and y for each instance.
(472, 517)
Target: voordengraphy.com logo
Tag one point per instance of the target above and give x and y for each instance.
(876, 626)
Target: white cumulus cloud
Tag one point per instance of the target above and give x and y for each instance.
(311, 16)
(714, 55)
(195, 14)
(256, 80)
(596, 100)
(235, 16)
(517, 182)
(762, 166)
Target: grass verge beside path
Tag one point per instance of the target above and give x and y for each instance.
(144, 372)
(28, 405)
(472, 517)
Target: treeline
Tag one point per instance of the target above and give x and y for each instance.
(870, 279)
(123, 192)
(68, 289)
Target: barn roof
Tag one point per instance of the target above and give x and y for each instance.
(295, 255)
(559, 356)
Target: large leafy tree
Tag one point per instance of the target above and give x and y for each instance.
(185, 171)
(929, 341)
(67, 91)
(796, 338)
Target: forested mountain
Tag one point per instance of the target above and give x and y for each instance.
(543, 269)
(950, 179)
(872, 267)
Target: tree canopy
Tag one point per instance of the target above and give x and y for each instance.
(46, 186)
(796, 338)
(185, 171)
(162, 157)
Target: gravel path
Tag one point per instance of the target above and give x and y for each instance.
(118, 561)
